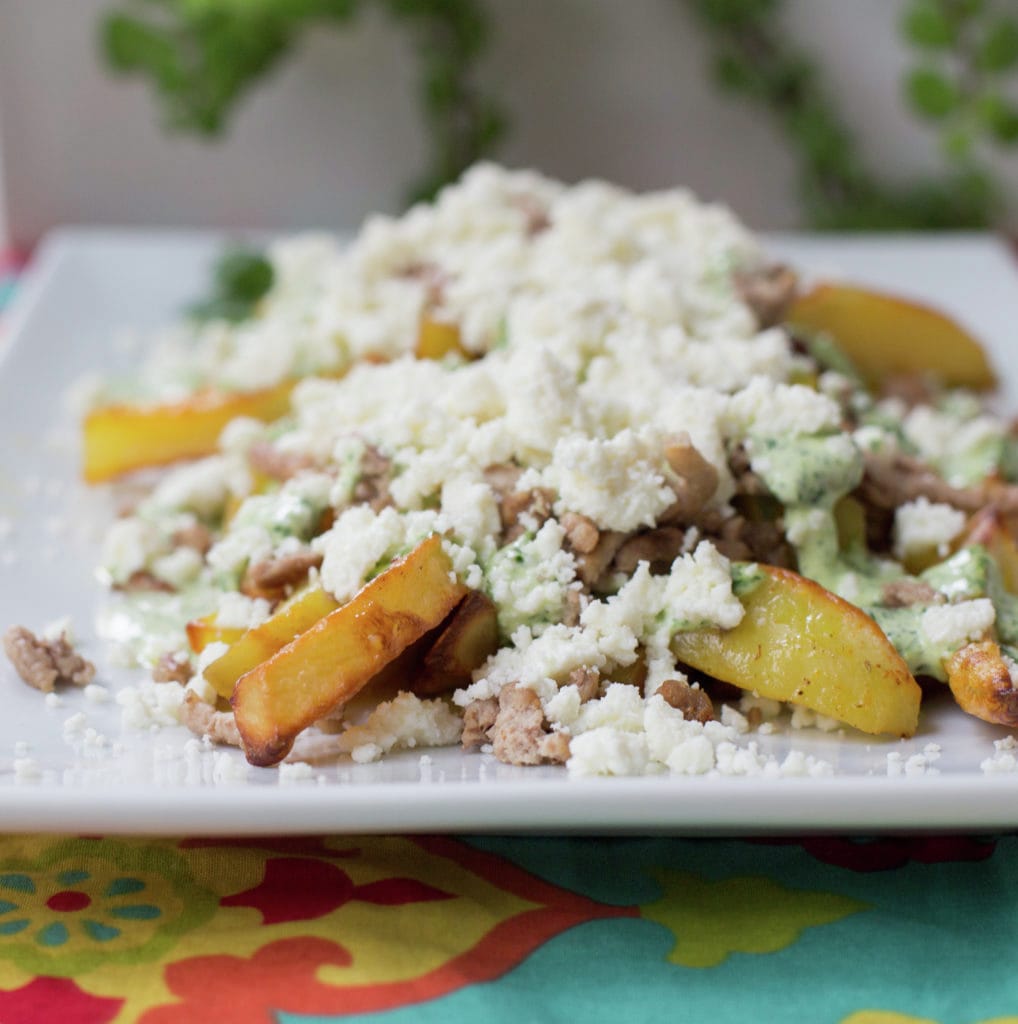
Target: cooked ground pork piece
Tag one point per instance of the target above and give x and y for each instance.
(275, 578)
(893, 480)
(45, 663)
(573, 607)
(172, 668)
(373, 486)
(266, 458)
(591, 567)
(912, 388)
(197, 536)
(587, 681)
(768, 291)
(746, 481)
(502, 477)
(536, 214)
(518, 735)
(694, 704)
(902, 593)
(535, 503)
(582, 533)
(204, 720)
(659, 547)
(478, 718)
(742, 539)
(696, 484)
(432, 276)
(554, 747)
(144, 580)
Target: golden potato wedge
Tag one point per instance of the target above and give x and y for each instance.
(981, 682)
(464, 642)
(121, 438)
(291, 619)
(437, 339)
(800, 643)
(204, 631)
(634, 674)
(330, 662)
(885, 335)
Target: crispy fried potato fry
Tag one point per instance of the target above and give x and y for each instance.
(464, 642)
(437, 339)
(121, 438)
(800, 643)
(981, 682)
(885, 335)
(204, 631)
(330, 662)
(291, 619)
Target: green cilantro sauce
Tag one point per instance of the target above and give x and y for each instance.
(809, 475)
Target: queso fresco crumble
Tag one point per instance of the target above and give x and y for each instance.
(614, 431)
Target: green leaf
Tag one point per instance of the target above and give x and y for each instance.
(243, 274)
(241, 277)
(932, 94)
(999, 49)
(735, 74)
(131, 45)
(927, 25)
(734, 14)
(1000, 116)
(957, 143)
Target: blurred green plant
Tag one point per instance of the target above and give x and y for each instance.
(240, 278)
(965, 57)
(203, 56)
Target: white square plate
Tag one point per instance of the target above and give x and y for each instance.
(84, 289)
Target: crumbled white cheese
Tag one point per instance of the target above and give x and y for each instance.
(97, 693)
(129, 546)
(178, 568)
(228, 767)
(294, 771)
(237, 611)
(150, 705)
(26, 769)
(541, 662)
(406, 721)
(618, 483)
(922, 526)
(75, 724)
(807, 718)
(61, 627)
(915, 764)
(768, 411)
(201, 487)
(528, 579)
(950, 626)
(698, 591)
(608, 751)
(1004, 758)
(358, 541)
(621, 707)
(735, 720)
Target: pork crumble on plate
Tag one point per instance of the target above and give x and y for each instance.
(614, 430)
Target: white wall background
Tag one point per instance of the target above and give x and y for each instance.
(615, 88)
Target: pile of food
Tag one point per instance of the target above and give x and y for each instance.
(564, 473)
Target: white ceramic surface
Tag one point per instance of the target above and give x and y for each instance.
(84, 290)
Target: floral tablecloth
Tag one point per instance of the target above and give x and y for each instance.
(394, 929)
(399, 929)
